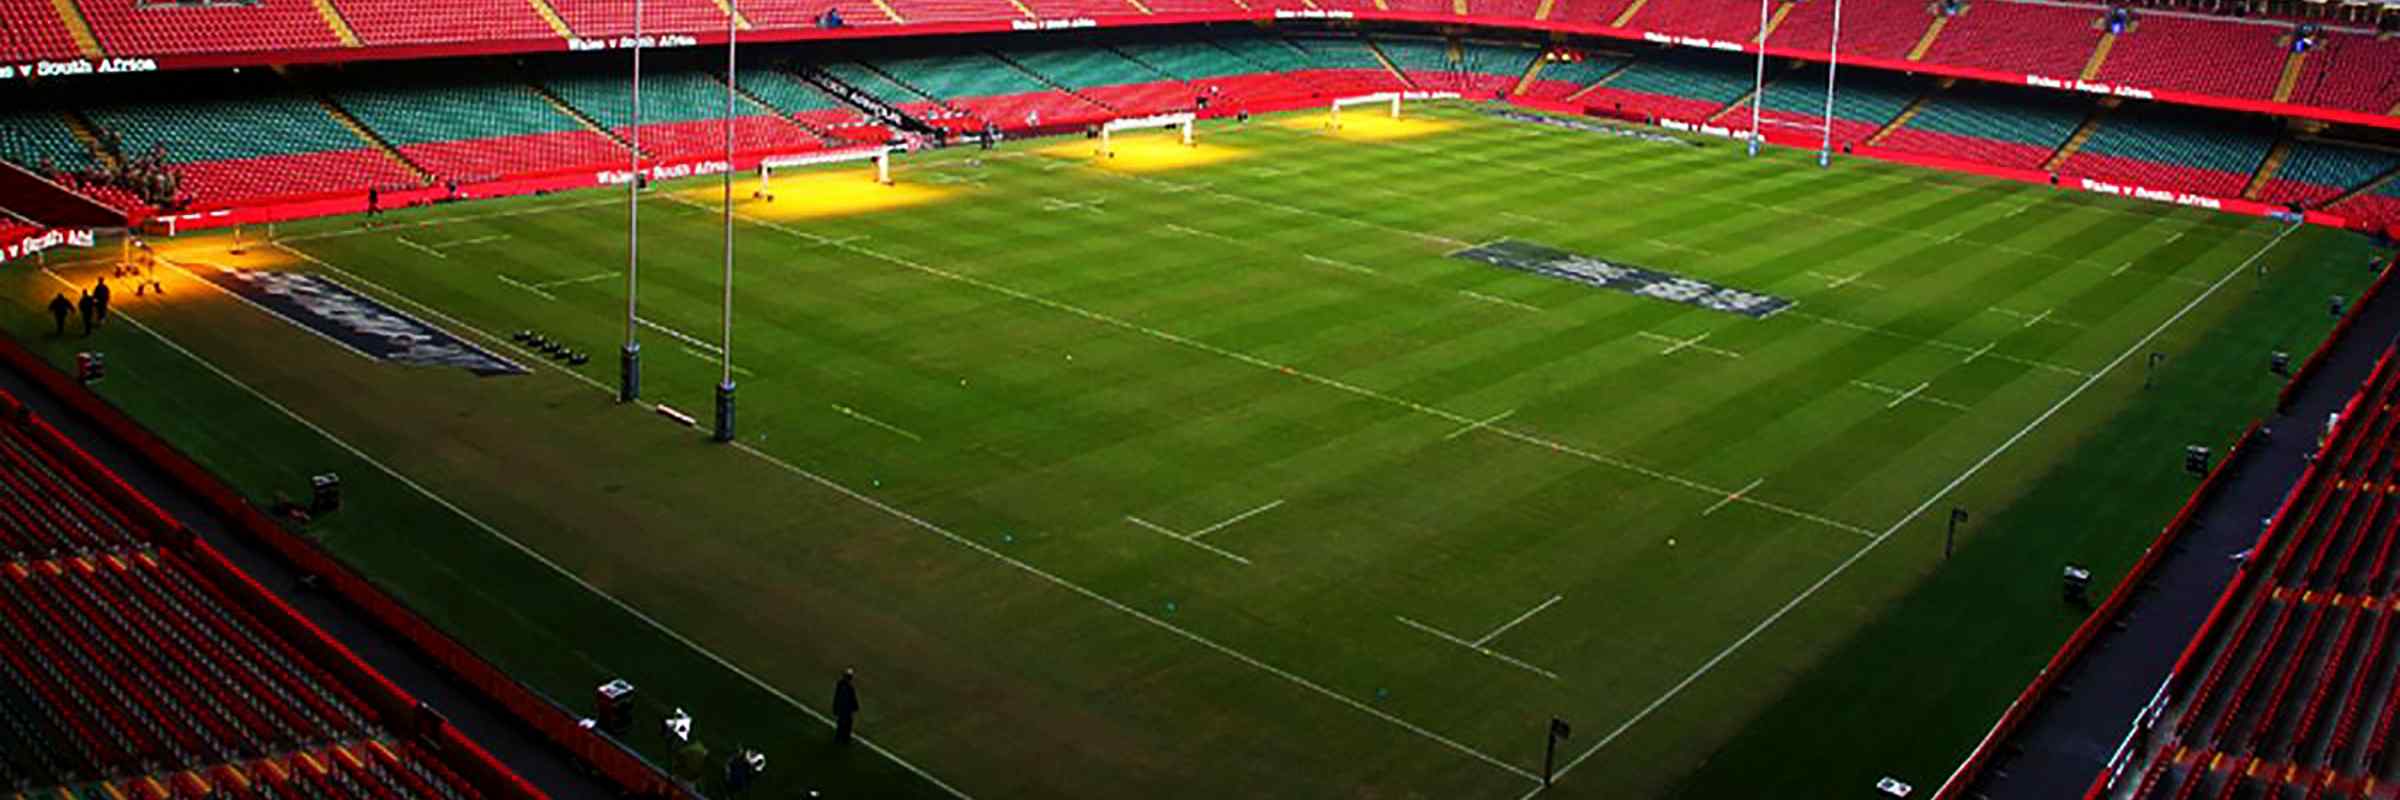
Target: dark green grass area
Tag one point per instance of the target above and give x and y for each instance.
(1227, 480)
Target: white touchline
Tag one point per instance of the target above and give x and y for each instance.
(1502, 658)
(1936, 497)
(1321, 380)
(1186, 539)
(847, 412)
(1479, 424)
(525, 286)
(700, 356)
(521, 547)
(1235, 519)
(1736, 495)
(1495, 634)
(412, 245)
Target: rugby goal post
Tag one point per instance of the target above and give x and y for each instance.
(1379, 98)
(1181, 121)
(880, 154)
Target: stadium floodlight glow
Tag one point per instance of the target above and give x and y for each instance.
(1181, 120)
(629, 360)
(1394, 98)
(880, 154)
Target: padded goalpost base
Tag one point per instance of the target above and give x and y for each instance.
(629, 373)
(724, 430)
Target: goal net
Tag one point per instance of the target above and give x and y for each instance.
(1182, 122)
(881, 155)
(1381, 98)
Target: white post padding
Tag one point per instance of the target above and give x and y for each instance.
(1181, 120)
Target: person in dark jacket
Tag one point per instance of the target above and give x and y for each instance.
(100, 302)
(845, 707)
(60, 306)
(83, 303)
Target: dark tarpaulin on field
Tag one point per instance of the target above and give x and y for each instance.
(1563, 265)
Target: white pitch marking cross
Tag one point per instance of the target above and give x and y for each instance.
(1693, 343)
(1734, 496)
(1479, 424)
(1235, 519)
(1187, 539)
(1495, 634)
(1444, 636)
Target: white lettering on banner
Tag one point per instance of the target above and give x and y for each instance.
(1691, 41)
(1719, 131)
(2088, 87)
(1052, 24)
(628, 42)
(2153, 195)
(1311, 13)
(33, 243)
(60, 69)
(618, 177)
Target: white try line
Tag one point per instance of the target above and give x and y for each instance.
(1520, 619)
(1972, 469)
(504, 278)
(1486, 651)
(412, 245)
(2034, 319)
(1479, 424)
(1501, 301)
(1185, 538)
(1236, 519)
(521, 547)
(1055, 204)
(1736, 495)
(597, 276)
(680, 336)
(1321, 380)
(1338, 264)
(853, 414)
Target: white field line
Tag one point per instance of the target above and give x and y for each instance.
(1521, 618)
(1915, 394)
(412, 245)
(1878, 540)
(1838, 281)
(704, 357)
(345, 346)
(1171, 187)
(597, 276)
(1904, 396)
(521, 547)
(1674, 344)
(453, 219)
(1186, 634)
(1986, 348)
(1230, 522)
(1479, 424)
(1338, 264)
(1527, 218)
(1055, 204)
(1502, 658)
(1186, 539)
(470, 242)
(504, 278)
(848, 412)
(1937, 343)
(1736, 495)
(1501, 301)
(1201, 233)
(1321, 380)
(2121, 268)
(680, 336)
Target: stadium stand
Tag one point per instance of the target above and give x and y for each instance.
(2209, 57)
(1863, 104)
(139, 663)
(1559, 80)
(147, 28)
(2292, 669)
(1207, 65)
(798, 100)
(37, 136)
(1673, 84)
(1589, 12)
(2163, 146)
(468, 130)
(1726, 20)
(1481, 69)
(401, 22)
(598, 18)
(683, 111)
(991, 90)
(1343, 65)
(31, 31)
(1107, 77)
(2000, 125)
(235, 139)
(2317, 171)
(1874, 31)
(2351, 72)
(2052, 41)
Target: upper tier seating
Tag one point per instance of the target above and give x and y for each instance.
(2000, 125)
(1192, 6)
(2352, 72)
(136, 27)
(2216, 58)
(32, 30)
(2315, 172)
(1875, 31)
(1589, 12)
(471, 130)
(953, 10)
(125, 664)
(1207, 65)
(1726, 20)
(385, 22)
(1558, 79)
(992, 90)
(1072, 9)
(2173, 147)
(593, 19)
(855, 14)
(1109, 78)
(2019, 38)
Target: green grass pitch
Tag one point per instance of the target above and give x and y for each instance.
(1224, 479)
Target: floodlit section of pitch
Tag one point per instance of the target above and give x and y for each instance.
(819, 195)
(1145, 153)
(1369, 124)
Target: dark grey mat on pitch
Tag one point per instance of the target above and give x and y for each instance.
(1563, 265)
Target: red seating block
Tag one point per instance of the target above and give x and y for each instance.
(125, 28)
(382, 22)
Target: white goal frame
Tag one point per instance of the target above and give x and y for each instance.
(1394, 98)
(1182, 121)
(880, 154)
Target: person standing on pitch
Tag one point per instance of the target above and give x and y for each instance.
(59, 306)
(845, 706)
(100, 302)
(83, 303)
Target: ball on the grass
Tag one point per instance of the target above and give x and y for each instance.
(1670, 543)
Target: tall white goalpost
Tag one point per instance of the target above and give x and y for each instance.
(880, 154)
(1758, 94)
(1334, 121)
(1181, 121)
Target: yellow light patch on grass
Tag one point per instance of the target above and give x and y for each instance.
(820, 195)
(1369, 123)
(1148, 152)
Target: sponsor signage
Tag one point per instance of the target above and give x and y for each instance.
(1692, 41)
(356, 322)
(1719, 131)
(35, 242)
(628, 42)
(2089, 86)
(19, 70)
(1312, 13)
(2154, 195)
(661, 172)
(1563, 265)
(1052, 24)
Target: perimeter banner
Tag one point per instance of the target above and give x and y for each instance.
(354, 321)
(15, 246)
(1563, 265)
